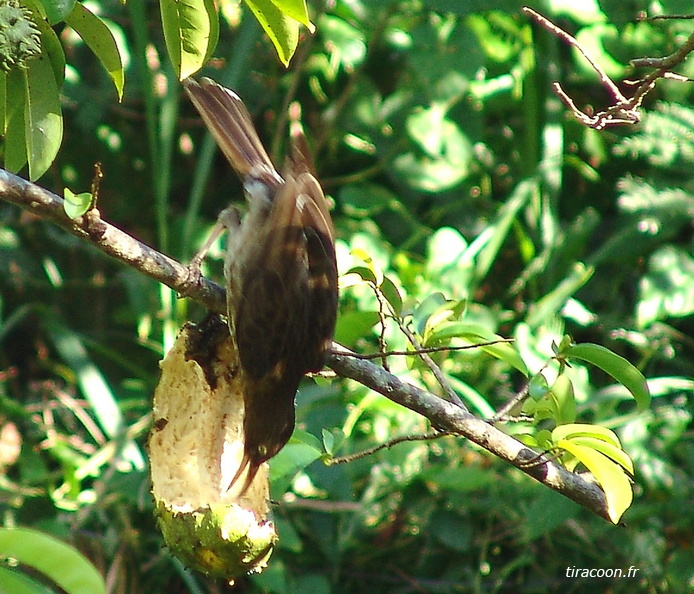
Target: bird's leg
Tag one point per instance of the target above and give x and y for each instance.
(229, 220)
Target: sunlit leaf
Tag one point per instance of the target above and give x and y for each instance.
(100, 40)
(609, 449)
(616, 366)
(191, 31)
(53, 558)
(76, 205)
(610, 476)
(571, 430)
(282, 29)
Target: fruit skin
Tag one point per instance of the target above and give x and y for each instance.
(20, 39)
(222, 540)
(195, 447)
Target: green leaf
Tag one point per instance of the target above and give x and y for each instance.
(58, 10)
(328, 441)
(616, 366)
(53, 558)
(371, 264)
(50, 44)
(100, 40)
(611, 477)
(191, 31)
(43, 119)
(15, 131)
(562, 392)
(14, 581)
(354, 325)
(537, 387)
(295, 456)
(295, 9)
(392, 295)
(76, 205)
(282, 29)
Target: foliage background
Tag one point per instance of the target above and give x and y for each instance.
(453, 166)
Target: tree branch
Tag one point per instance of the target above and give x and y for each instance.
(624, 110)
(443, 415)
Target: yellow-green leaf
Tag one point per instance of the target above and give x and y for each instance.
(297, 10)
(610, 475)
(76, 205)
(100, 40)
(609, 449)
(282, 29)
(191, 31)
(573, 430)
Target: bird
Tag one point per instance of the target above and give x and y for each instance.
(280, 272)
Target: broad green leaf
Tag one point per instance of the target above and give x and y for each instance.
(426, 309)
(15, 131)
(295, 456)
(563, 392)
(53, 558)
(100, 40)
(58, 10)
(616, 366)
(282, 29)
(328, 441)
(191, 31)
(43, 119)
(609, 449)
(50, 44)
(538, 386)
(392, 295)
(295, 9)
(610, 475)
(354, 325)
(13, 581)
(572, 430)
(76, 205)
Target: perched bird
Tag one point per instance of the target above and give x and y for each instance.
(280, 272)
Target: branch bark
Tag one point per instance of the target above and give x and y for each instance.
(443, 415)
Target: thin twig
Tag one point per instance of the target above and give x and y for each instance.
(624, 110)
(388, 444)
(420, 350)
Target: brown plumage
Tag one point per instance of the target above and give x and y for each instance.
(280, 273)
